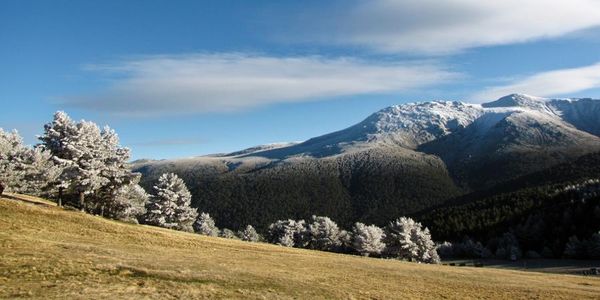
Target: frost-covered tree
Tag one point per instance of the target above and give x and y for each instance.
(445, 250)
(249, 234)
(93, 162)
(323, 234)
(128, 203)
(288, 233)
(58, 135)
(24, 169)
(427, 252)
(205, 225)
(227, 233)
(11, 145)
(406, 239)
(84, 169)
(40, 172)
(367, 240)
(346, 242)
(57, 138)
(399, 239)
(170, 207)
(79, 147)
(118, 175)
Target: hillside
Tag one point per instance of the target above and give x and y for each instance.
(543, 209)
(365, 185)
(47, 252)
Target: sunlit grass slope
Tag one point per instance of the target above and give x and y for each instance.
(47, 252)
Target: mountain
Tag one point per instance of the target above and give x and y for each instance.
(400, 160)
(515, 135)
(405, 126)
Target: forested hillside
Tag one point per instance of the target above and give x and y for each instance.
(543, 210)
(372, 186)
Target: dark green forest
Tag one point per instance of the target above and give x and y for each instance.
(371, 186)
(543, 210)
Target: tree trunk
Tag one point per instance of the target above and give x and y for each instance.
(82, 201)
(60, 194)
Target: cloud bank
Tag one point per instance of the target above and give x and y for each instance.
(546, 84)
(203, 83)
(438, 27)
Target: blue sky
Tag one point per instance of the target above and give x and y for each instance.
(185, 78)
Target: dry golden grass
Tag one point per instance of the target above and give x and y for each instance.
(29, 198)
(47, 252)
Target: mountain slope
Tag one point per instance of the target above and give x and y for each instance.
(373, 185)
(581, 113)
(50, 253)
(543, 209)
(507, 143)
(405, 126)
(397, 161)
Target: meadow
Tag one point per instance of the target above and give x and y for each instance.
(47, 252)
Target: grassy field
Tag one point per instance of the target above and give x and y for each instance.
(47, 252)
(559, 266)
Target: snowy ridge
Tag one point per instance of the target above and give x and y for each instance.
(519, 100)
(260, 148)
(412, 124)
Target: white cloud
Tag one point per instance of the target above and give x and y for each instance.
(229, 82)
(550, 83)
(433, 26)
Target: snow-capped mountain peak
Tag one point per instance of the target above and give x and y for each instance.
(415, 123)
(519, 100)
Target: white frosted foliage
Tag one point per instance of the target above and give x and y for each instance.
(249, 234)
(367, 240)
(288, 233)
(323, 234)
(205, 225)
(24, 169)
(170, 206)
(406, 239)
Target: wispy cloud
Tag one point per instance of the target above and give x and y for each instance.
(434, 27)
(227, 82)
(550, 83)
